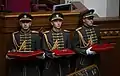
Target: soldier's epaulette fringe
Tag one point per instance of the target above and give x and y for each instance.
(34, 31)
(78, 28)
(46, 32)
(66, 31)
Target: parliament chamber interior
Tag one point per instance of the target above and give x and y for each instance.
(41, 10)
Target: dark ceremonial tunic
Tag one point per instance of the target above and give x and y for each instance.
(25, 67)
(80, 47)
(56, 66)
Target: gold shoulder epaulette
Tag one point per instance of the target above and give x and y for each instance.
(66, 31)
(78, 28)
(35, 32)
(46, 32)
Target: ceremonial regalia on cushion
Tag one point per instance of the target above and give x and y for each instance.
(26, 42)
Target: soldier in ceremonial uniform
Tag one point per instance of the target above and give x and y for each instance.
(85, 36)
(56, 38)
(25, 40)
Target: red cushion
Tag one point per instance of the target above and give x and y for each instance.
(25, 54)
(63, 52)
(102, 47)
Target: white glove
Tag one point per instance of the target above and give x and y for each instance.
(7, 57)
(89, 52)
(41, 57)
